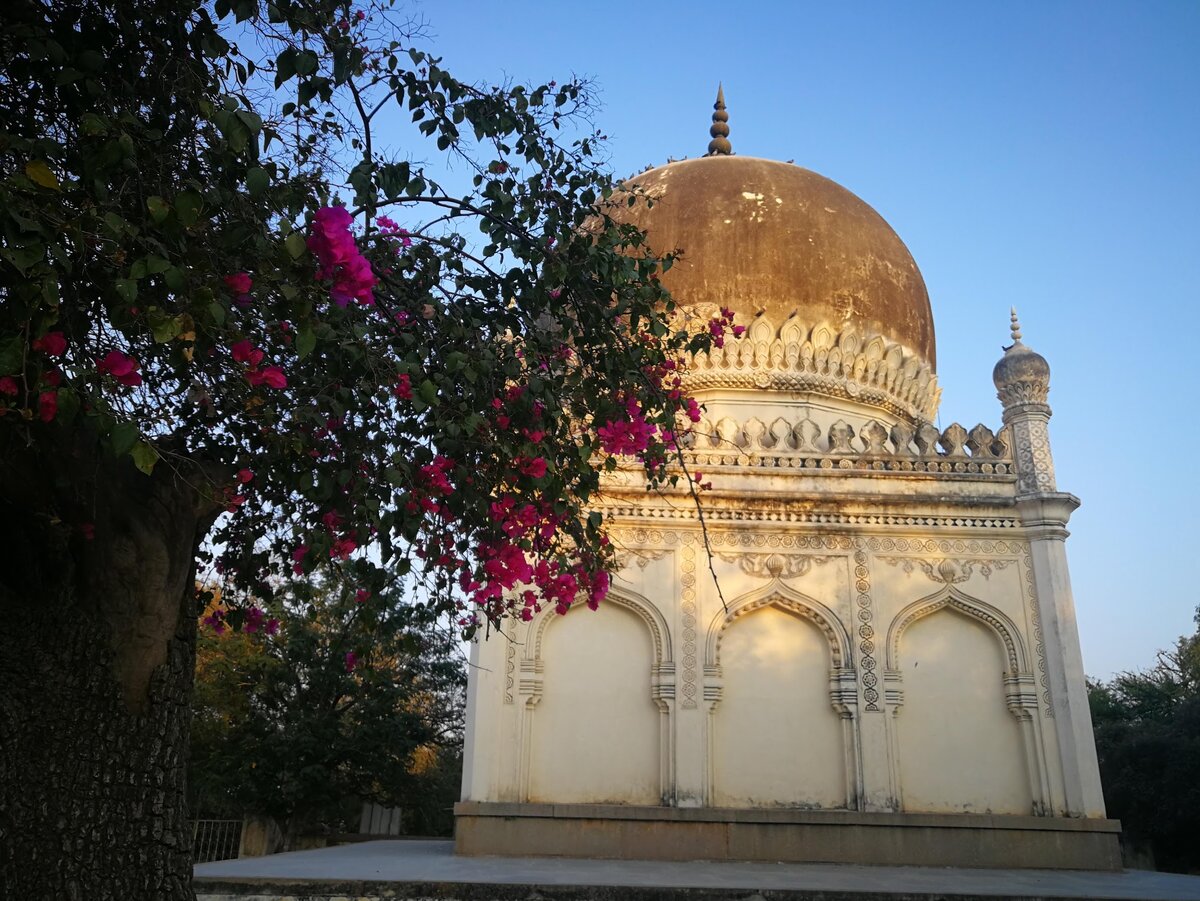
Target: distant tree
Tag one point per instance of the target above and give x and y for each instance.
(1147, 727)
(325, 702)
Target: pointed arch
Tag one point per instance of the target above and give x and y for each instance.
(777, 594)
(949, 596)
(622, 597)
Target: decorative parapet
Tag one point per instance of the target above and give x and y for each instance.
(800, 445)
(822, 359)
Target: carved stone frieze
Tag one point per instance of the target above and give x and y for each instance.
(1034, 462)
(719, 510)
(640, 556)
(867, 662)
(801, 445)
(948, 571)
(1035, 619)
(819, 358)
(773, 566)
(688, 610)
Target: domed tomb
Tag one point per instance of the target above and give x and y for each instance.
(760, 236)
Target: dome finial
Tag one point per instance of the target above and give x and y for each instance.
(719, 145)
(1015, 326)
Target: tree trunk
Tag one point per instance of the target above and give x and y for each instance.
(97, 647)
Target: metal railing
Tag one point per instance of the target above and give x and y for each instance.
(216, 840)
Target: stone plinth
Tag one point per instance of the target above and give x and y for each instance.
(666, 833)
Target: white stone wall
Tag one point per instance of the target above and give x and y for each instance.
(845, 669)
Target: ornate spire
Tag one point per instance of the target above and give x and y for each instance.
(1015, 327)
(1022, 376)
(719, 145)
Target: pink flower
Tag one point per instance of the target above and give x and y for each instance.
(351, 661)
(245, 352)
(244, 476)
(403, 387)
(254, 620)
(361, 596)
(534, 468)
(121, 367)
(343, 548)
(340, 261)
(47, 405)
(9, 386)
(51, 343)
(238, 283)
(272, 626)
(272, 376)
(434, 475)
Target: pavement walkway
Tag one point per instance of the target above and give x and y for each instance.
(382, 868)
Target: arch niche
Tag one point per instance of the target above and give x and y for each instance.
(965, 725)
(780, 724)
(597, 721)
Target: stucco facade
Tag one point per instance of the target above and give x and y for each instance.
(867, 625)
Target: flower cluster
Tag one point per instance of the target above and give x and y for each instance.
(121, 367)
(245, 352)
(339, 258)
(718, 324)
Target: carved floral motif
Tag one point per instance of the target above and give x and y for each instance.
(948, 571)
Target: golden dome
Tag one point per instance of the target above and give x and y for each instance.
(763, 236)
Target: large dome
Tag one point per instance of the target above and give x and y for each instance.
(763, 236)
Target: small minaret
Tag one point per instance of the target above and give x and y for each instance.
(719, 145)
(1022, 379)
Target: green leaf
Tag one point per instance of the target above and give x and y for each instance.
(10, 355)
(295, 245)
(39, 173)
(285, 66)
(428, 392)
(158, 208)
(123, 437)
(217, 312)
(187, 207)
(127, 289)
(257, 181)
(306, 340)
(144, 457)
(306, 62)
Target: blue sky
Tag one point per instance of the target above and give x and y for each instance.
(1045, 155)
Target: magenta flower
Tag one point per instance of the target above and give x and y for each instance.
(52, 344)
(121, 367)
(47, 405)
(340, 261)
(272, 377)
(238, 283)
(9, 386)
(245, 352)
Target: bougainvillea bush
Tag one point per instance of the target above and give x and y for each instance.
(238, 326)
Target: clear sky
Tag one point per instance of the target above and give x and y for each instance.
(1044, 154)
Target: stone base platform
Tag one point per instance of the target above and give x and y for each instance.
(786, 835)
(416, 870)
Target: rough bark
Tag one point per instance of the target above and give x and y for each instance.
(97, 646)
